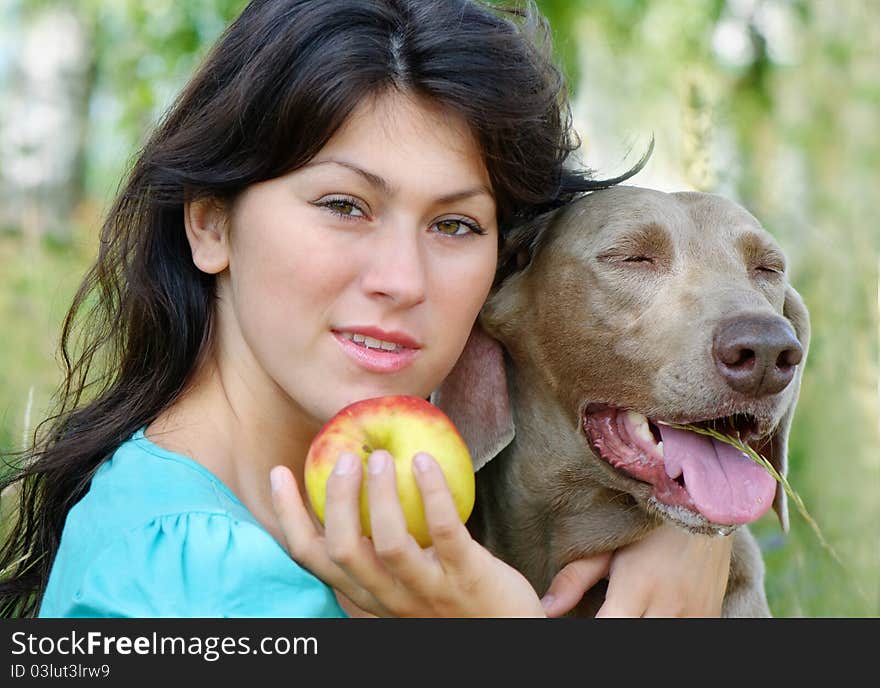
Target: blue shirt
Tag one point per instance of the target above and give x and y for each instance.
(158, 535)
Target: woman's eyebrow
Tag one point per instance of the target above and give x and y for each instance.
(373, 179)
(382, 184)
(480, 190)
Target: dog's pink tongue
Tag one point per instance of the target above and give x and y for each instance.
(725, 484)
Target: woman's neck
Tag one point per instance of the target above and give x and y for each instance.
(237, 437)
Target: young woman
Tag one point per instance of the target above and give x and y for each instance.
(332, 170)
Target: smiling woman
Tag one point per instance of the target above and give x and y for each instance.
(389, 232)
(315, 221)
(332, 172)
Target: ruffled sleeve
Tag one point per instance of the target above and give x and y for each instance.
(198, 565)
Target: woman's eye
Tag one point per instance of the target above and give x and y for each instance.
(456, 227)
(344, 207)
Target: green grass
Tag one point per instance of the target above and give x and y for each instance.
(37, 282)
(781, 479)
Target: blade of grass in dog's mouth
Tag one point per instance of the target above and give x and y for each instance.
(778, 477)
(792, 495)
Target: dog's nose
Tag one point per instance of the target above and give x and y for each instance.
(756, 355)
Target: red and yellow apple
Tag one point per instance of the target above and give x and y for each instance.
(403, 426)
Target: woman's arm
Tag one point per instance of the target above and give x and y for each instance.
(669, 573)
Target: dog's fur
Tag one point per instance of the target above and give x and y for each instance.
(580, 323)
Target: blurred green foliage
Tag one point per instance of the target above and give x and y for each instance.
(772, 102)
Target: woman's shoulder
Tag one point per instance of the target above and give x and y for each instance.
(139, 485)
(142, 478)
(187, 564)
(158, 535)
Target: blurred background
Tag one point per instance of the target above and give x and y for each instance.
(774, 103)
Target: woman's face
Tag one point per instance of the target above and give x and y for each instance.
(390, 233)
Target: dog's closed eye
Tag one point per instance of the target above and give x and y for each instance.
(760, 256)
(647, 245)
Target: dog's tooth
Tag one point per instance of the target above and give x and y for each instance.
(639, 426)
(660, 448)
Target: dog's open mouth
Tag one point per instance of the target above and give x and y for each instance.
(685, 469)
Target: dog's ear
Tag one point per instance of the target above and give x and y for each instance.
(776, 448)
(521, 244)
(474, 396)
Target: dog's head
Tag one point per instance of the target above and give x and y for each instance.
(638, 309)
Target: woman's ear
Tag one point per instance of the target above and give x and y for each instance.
(206, 231)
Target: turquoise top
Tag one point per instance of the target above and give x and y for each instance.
(158, 535)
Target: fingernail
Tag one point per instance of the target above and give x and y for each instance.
(277, 478)
(345, 464)
(422, 462)
(377, 462)
(547, 601)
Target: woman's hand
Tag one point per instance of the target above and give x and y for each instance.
(391, 575)
(669, 573)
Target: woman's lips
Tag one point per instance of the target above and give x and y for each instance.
(377, 360)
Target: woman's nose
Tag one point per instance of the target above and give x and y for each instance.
(396, 266)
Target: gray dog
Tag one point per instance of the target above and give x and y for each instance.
(630, 310)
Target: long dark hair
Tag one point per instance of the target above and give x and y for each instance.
(277, 85)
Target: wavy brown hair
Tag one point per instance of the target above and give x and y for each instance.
(276, 86)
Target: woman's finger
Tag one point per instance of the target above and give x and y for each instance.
(614, 609)
(570, 584)
(301, 538)
(346, 544)
(394, 546)
(452, 543)
(623, 600)
(306, 545)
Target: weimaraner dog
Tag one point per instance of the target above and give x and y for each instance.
(625, 310)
